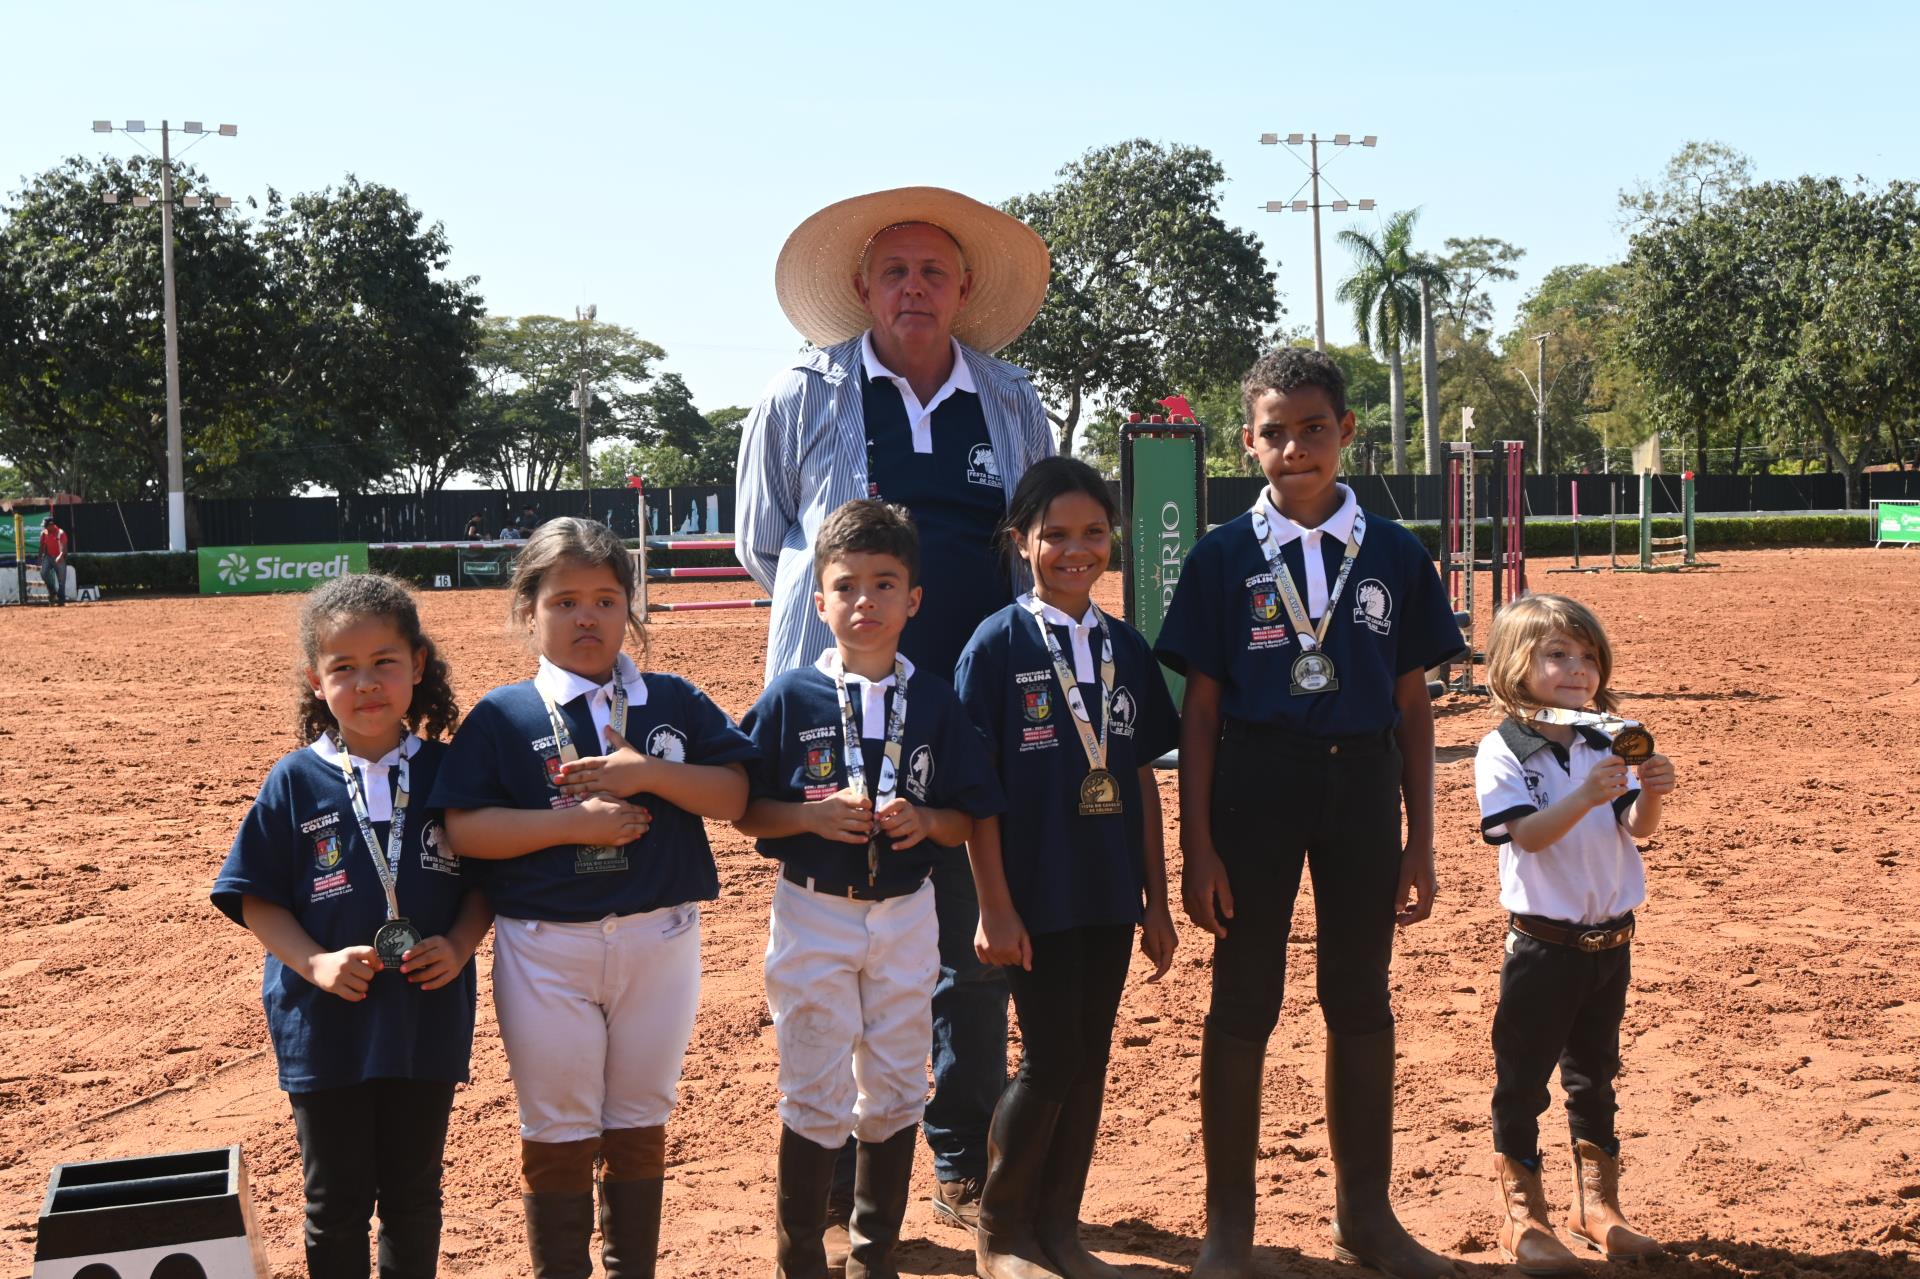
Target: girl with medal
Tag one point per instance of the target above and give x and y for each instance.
(1557, 798)
(1305, 628)
(577, 797)
(344, 873)
(1074, 710)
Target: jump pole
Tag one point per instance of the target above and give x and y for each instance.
(1573, 491)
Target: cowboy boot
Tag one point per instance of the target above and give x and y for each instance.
(1056, 1222)
(1596, 1219)
(1360, 1131)
(1231, 1075)
(557, 1180)
(1525, 1235)
(1017, 1145)
(883, 1173)
(804, 1171)
(632, 1182)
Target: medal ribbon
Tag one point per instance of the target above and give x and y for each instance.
(388, 866)
(1095, 746)
(1611, 725)
(616, 720)
(1310, 636)
(856, 756)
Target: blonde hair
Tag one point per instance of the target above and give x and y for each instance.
(1521, 628)
(585, 543)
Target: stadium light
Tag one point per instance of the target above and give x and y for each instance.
(1341, 205)
(176, 468)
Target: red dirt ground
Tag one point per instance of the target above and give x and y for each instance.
(1770, 1104)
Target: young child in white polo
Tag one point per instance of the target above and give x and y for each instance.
(869, 772)
(1557, 798)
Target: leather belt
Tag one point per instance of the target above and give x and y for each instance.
(852, 892)
(1591, 940)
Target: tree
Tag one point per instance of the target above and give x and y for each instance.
(82, 373)
(1151, 290)
(1384, 293)
(1469, 265)
(707, 455)
(381, 339)
(1700, 176)
(1795, 302)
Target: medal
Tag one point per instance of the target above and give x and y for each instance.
(589, 859)
(1631, 740)
(396, 935)
(1633, 744)
(1100, 789)
(1313, 671)
(1100, 794)
(857, 756)
(395, 938)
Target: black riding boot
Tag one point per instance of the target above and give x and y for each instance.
(805, 1171)
(882, 1173)
(1231, 1073)
(1057, 1222)
(1018, 1142)
(1360, 1130)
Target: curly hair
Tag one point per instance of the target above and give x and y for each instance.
(584, 543)
(357, 597)
(1285, 368)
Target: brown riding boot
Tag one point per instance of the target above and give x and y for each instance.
(633, 1179)
(1526, 1236)
(1596, 1219)
(557, 1194)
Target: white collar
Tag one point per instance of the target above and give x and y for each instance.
(828, 663)
(1338, 526)
(961, 379)
(324, 747)
(1057, 618)
(562, 686)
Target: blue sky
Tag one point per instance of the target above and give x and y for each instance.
(652, 159)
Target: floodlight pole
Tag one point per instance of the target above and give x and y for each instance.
(1319, 290)
(176, 466)
(1312, 142)
(585, 315)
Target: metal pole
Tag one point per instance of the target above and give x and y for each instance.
(1540, 404)
(1319, 293)
(586, 316)
(176, 469)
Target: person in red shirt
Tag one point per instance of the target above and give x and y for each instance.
(53, 560)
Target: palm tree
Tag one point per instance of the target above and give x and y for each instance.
(1385, 293)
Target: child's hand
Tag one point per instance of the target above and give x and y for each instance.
(1416, 878)
(843, 817)
(1158, 939)
(1002, 939)
(610, 822)
(1606, 783)
(620, 774)
(1656, 775)
(1203, 883)
(346, 973)
(433, 963)
(901, 820)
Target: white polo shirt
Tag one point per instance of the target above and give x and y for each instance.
(1591, 874)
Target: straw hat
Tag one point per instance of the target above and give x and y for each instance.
(814, 277)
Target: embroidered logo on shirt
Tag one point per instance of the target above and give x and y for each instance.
(1373, 606)
(1038, 704)
(668, 743)
(982, 467)
(1263, 602)
(920, 773)
(326, 852)
(1266, 605)
(1536, 788)
(435, 853)
(1124, 710)
(820, 762)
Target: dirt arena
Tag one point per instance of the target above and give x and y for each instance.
(1771, 1109)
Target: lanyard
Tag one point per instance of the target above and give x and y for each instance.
(1311, 637)
(856, 756)
(1095, 746)
(616, 720)
(388, 866)
(1608, 724)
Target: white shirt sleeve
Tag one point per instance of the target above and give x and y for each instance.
(1500, 782)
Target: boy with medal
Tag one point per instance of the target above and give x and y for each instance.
(1305, 629)
(857, 794)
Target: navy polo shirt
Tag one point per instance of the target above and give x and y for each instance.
(300, 848)
(505, 756)
(1228, 622)
(797, 726)
(1065, 870)
(958, 500)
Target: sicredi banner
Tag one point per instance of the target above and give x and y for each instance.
(256, 570)
(1896, 522)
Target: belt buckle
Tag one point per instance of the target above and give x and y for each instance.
(1594, 939)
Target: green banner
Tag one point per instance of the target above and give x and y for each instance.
(1165, 525)
(484, 566)
(255, 570)
(1896, 522)
(30, 526)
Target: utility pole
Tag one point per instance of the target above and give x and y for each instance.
(1540, 404)
(1296, 205)
(176, 464)
(586, 315)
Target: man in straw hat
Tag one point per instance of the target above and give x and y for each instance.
(904, 295)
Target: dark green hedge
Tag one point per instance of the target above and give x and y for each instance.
(170, 572)
(419, 565)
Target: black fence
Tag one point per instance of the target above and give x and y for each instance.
(709, 508)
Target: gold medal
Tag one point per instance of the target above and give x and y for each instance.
(1633, 744)
(1313, 672)
(1100, 794)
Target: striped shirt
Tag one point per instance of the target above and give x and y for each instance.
(803, 454)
